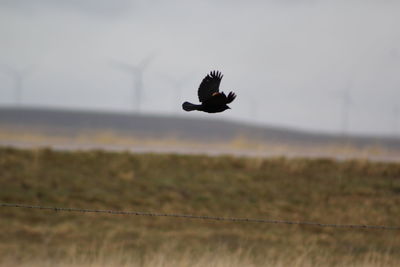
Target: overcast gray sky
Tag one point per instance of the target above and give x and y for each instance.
(290, 62)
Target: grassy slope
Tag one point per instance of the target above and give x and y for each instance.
(313, 190)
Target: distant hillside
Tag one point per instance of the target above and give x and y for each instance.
(68, 122)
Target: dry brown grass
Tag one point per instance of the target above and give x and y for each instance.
(221, 257)
(115, 141)
(323, 190)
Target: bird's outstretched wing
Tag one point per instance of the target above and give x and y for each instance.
(209, 85)
(231, 96)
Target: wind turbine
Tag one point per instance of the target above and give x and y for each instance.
(18, 75)
(253, 108)
(137, 78)
(347, 102)
(178, 85)
(396, 120)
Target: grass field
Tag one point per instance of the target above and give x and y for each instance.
(111, 140)
(322, 190)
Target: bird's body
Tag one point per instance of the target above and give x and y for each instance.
(212, 101)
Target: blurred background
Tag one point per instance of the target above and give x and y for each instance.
(84, 83)
(303, 70)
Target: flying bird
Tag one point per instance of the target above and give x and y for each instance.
(212, 100)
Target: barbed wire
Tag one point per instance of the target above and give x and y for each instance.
(213, 218)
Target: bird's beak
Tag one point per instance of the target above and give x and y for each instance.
(229, 107)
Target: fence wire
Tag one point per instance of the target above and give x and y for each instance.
(199, 217)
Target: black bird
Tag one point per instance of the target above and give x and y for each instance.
(212, 101)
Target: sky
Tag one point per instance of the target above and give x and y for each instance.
(315, 65)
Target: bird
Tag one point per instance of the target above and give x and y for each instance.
(212, 100)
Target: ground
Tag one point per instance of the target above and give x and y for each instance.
(320, 190)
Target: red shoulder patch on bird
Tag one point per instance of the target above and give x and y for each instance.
(216, 93)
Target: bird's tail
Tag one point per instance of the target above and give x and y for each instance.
(189, 106)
